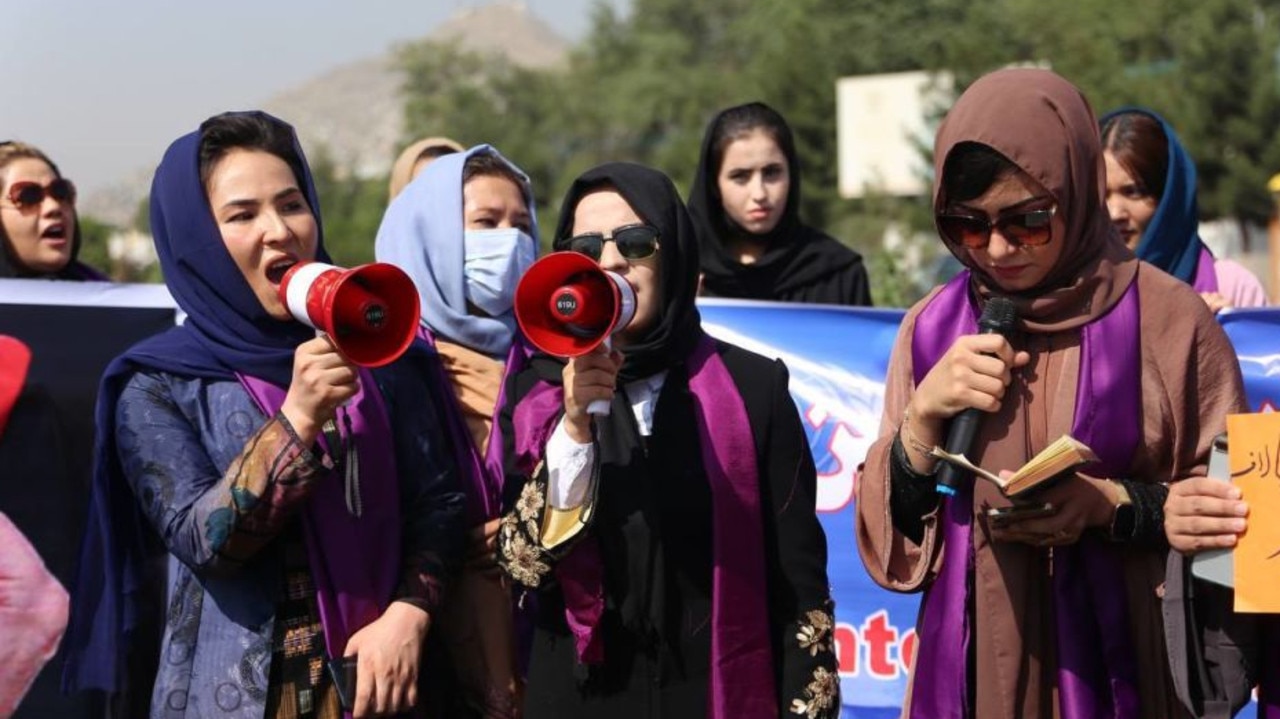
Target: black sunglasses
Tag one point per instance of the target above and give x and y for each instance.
(1032, 228)
(635, 242)
(27, 193)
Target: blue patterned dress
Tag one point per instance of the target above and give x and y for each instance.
(222, 485)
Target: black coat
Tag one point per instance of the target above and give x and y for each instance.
(653, 526)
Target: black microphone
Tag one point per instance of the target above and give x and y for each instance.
(999, 317)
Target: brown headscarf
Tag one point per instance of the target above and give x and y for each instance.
(1044, 125)
(402, 171)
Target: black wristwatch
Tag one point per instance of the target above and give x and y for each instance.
(1124, 517)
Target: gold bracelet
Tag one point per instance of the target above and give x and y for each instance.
(912, 440)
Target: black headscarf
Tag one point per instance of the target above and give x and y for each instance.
(655, 199)
(798, 257)
(637, 545)
(11, 266)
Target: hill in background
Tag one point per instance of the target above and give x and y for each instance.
(355, 112)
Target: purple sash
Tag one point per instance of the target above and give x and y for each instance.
(482, 475)
(742, 681)
(1206, 277)
(1097, 668)
(1269, 681)
(354, 561)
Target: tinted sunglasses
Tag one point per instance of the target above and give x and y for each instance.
(635, 242)
(27, 193)
(1032, 228)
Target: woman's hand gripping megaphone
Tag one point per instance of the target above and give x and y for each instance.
(569, 307)
(590, 381)
(323, 380)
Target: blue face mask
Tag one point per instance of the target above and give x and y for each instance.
(493, 262)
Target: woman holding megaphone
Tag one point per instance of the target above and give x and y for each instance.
(308, 506)
(671, 543)
(464, 229)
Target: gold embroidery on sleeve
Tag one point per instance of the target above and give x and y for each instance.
(820, 696)
(815, 632)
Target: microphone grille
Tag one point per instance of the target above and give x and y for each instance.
(998, 315)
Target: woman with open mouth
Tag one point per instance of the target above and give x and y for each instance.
(309, 508)
(39, 233)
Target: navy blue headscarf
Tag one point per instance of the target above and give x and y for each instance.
(227, 331)
(1171, 240)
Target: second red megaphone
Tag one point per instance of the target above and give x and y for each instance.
(370, 312)
(567, 306)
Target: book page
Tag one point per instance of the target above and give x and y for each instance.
(1060, 456)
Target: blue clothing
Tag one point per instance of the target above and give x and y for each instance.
(177, 437)
(227, 331)
(140, 479)
(422, 234)
(1171, 240)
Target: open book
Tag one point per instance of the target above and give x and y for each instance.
(1063, 455)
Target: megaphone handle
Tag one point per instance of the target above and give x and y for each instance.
(600, 407)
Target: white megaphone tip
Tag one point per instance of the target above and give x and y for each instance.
(370, 312)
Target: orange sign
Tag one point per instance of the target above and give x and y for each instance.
(1254, 456)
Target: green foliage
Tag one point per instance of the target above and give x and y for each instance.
(93, 243)
(142, 216)
(642, 88)
(95, 251)
(351, 209)
(1208, 66)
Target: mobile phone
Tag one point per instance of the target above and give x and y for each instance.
(1217, 565)
(1003, 516)
(343, 674)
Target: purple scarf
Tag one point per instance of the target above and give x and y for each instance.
(354, 561)
(1269, 681)
(483, 475)
(1097, 668)
(1206, 277)
(742, 682)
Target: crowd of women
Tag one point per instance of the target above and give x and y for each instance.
(275, 531)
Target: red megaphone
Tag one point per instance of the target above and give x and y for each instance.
(371, 312)
(567, 306)
(15, 359)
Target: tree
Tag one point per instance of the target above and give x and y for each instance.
(350, 209)
(1207, 66)
(642, 88)
(93, 243)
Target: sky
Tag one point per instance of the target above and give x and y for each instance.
(103, 87)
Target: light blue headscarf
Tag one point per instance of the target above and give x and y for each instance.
(1171, 240)
(422, 233)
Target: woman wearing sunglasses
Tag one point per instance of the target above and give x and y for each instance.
(698, 587)
(745, 204)
(1053, 614)
(308, 506)
(465, 231)
(1151, 195)
(38, 226)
